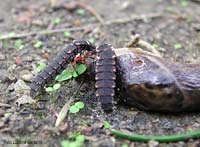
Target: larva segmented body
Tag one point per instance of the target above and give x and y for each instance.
(60, 62)
(105, 76)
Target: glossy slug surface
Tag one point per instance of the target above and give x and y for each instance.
(156, 84)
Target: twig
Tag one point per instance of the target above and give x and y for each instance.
(43, 32)
(115, 21)
(136, 41)
(133, 17)
(147, 45)
(4, 105)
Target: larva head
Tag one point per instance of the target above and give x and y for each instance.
(85, 45)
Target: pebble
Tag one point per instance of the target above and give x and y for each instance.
(24, 99)
(3, 75)
(1, 19)
(21, 87)
(1, 124)
(26, 75)
(153, 143)
(27, 58)
(2, 112)
(2, 57)
(11, 87)
(196, 26)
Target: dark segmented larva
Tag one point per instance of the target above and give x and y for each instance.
(105, 77)
(60, 62)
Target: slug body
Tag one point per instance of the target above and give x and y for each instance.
(152, 83)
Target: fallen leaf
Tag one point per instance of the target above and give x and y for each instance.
(63, 113)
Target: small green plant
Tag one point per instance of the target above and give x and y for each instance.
(106, 125)
(184, 3)
(19, 44)
(76, 107)
(78, 141)
(155, 45)
(67, 33)
(80, 12)
(54, 88)
(40, 67)
(177, 46)
(57, 21)
(170, 9)
(124, 145)
(91, 40)
(80, 69)
(9, 35)
(67, 74)
(42, 115)
(38, 44)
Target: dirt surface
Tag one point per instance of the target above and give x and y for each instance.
(173, 27)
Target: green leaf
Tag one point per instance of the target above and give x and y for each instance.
(184, 3)
(80, 105)
(106, 125)
(65, 143)
(80, 12)
(75, 144)
(40, 67)
(38, 44)
(75, 74)
(80, 69)
(124, 145)
(57, 20)
(91, 40)
(177, 46)
(74, 135)
(155, 45)
(170, 9)
(80, 138)
(65, 75)
(67, 33)
(49, 89)
(19, 44)
(73, 109)
(11, 34)
(56, 86)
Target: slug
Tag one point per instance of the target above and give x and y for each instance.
(152, 83)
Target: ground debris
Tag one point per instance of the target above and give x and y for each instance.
(20, 87)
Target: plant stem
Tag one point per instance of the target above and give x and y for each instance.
(163, 139)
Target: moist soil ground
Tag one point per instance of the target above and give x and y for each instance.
(172, 26)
